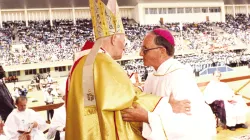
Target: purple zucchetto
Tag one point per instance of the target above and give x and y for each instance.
(165, 34)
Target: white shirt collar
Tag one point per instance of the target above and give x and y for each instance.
(20, 111)
(163, 68)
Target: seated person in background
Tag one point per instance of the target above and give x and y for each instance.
(57, 125)
(21, 120)
(235, 106)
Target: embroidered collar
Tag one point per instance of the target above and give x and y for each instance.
(79, 55)
(168, 66)
(163, 67)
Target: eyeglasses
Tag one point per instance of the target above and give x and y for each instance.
(146, 50)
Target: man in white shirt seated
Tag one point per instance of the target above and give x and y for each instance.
(171, 80)
(21, 120)
(235, 106)
(58, 122)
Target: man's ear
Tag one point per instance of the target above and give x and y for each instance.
(113, 39)
(163, 50)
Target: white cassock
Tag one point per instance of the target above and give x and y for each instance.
(189, 68)
(173, 77)
(235, 113)
(58, 122)
(3, 137)
(21, 121)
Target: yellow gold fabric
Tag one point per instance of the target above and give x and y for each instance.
(113, 92)
(105, 23)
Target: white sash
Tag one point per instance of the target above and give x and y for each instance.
(88, 76)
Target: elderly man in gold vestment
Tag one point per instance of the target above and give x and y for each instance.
(98, 88)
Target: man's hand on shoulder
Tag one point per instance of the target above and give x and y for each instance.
(182, 106)
(135, 114)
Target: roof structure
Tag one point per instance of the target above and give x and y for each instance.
(30, 4)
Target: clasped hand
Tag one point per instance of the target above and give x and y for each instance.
(138, 114)
(35, 124)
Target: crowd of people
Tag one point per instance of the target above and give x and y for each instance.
(196, 62)
(238, 26)
(45, 43)
(59, 42)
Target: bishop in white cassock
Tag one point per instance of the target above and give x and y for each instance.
(21, 119)
(58, 121)
(235, 105)
(172, 79)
